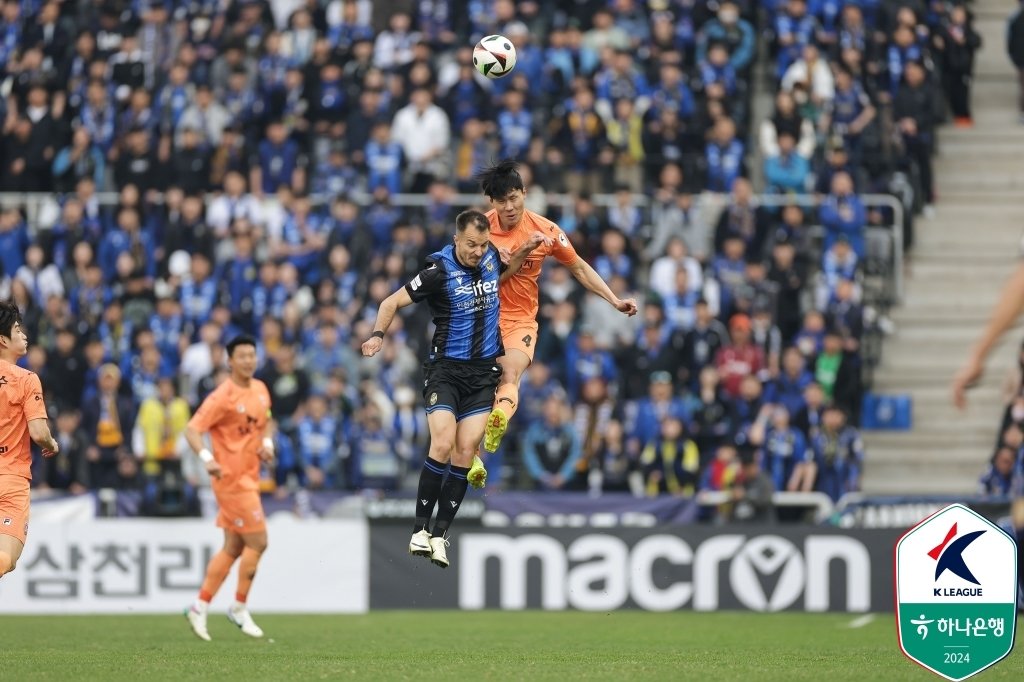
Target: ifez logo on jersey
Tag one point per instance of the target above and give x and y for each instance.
(956, 593)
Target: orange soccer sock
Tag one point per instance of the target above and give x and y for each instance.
(507, 398)
(246, 572)
(216, 572)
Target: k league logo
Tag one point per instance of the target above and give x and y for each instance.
(956, 593)
(950, 557)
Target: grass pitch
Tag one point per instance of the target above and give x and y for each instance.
(449, 645)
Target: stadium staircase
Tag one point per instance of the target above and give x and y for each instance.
(961, 258)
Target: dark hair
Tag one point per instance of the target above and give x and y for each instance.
(240, 340)
(500, 179)
(474, 218)
(9, 316)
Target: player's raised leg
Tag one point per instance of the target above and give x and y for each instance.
(216, 572)
(238, 613)
(442, 427)
(467, 440)
(517, 358)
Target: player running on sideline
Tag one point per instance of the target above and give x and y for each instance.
(237, 417)
(511, 225)
(460, 284)
(22, 418)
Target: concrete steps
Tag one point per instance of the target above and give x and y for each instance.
(961, 259)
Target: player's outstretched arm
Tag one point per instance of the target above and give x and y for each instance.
(1009, 306)
(385, 315)
(589, 278)
(39, 432)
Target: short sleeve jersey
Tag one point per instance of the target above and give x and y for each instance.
(463, 304)
(236, 419)
(520, 293)
(21, 401)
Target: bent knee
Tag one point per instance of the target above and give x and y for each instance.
(511, 375)
(463, 456)
(441, 449)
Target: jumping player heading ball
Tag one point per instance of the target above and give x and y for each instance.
(511, 226)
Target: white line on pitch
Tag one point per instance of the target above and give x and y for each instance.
(861, 621)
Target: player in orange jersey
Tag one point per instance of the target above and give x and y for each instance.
(511, 226)
(22, 418)
(237, 417)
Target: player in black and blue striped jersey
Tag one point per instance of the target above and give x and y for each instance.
(460, 284)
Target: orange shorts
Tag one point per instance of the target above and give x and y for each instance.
(520, 335)
(241, 512)
(14, 498)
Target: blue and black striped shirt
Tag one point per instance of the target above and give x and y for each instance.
(464, 304)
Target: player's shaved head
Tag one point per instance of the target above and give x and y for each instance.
(472, 219)
(501, 179)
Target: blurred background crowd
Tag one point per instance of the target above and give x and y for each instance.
(278, 167)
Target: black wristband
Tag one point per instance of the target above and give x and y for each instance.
(378, 334)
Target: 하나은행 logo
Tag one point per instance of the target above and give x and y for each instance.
(956, 593)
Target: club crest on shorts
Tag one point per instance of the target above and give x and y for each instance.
(7, 522)
(240, 408)
(433, 399)
(239, 522)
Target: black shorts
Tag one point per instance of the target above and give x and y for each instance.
(463, 388)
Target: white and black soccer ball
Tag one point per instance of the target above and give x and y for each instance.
(494, 56)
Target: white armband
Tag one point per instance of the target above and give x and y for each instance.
(268, 444)
(206, 456)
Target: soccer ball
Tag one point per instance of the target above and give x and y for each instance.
(494, 56)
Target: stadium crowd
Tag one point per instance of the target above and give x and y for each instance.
(240, 137)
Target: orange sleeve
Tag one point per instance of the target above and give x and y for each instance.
(209, 413)
(32, 398)
(563, 250)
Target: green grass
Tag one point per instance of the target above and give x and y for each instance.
(453, 646)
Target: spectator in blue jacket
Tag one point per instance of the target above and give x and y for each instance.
(838, 456)
(552, 448)
(79, 159)
(672, 94)
(317, 436)
(585, 360)
(724, 155)
(787, 171)
(384, 159)
(787, 390)
(373, 453)
(644, 416)
(785, 448)
(1003, 474)
(732, 30)
(843, 212)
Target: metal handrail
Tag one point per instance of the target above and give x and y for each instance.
(33, 201)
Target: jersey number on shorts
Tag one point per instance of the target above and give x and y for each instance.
(527, 340)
